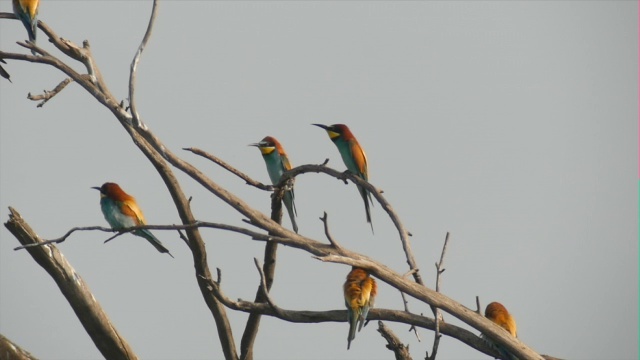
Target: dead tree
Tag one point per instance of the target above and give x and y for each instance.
(266, 228)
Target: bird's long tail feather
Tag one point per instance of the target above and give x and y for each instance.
(368, 202)
(353, 322)
(291, 209)
(153, 240)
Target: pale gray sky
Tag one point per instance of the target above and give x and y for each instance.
(513, 125)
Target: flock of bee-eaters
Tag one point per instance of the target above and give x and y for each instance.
(121, 210)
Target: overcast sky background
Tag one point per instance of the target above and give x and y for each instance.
(513, 125)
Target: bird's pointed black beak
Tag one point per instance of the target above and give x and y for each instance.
(97, 188)
(254, 144)
(321, 126)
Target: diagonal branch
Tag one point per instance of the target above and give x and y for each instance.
(230, 168)
(48, 95)
(95, 321)
(12, 351)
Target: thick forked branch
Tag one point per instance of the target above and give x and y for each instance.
(95, 85)
(89, 312)
(155, 153)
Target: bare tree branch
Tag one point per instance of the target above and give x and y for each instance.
(230, 168)
(134, 67)
(162, 158)
(463, 335)
(48, 95)
(11, 351)
(198, 224)
(436, 312)
(393, 343)
(267, 275)
(438, 300)
(325, 222)
(404, 234)
(95, 321)
(265, 290)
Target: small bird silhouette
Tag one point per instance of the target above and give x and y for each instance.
(360, 291)
(497, 313)
(354, 158)
(277, 163)
(121, 211)
(27, 12)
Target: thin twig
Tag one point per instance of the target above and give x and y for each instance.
(333, 242)
(406, 302)
(230, 168)
(436, 312)
(200, 224)
(406, 308)
(134, 68)
(265, 290)
(478, 308)
(48, 95)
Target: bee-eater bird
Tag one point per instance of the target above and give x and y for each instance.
(27, 12)
(497, 313)
(360, 291)
(354, 158)
(277, 163)
(121, 211)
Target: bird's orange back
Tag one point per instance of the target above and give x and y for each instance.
(497, 313)
(359, 288)
(30, 7)
(129, 204)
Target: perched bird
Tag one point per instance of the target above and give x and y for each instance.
(27, 12)
(121, 211)
(277, 163)
(497, 313)
(360, 291)
(354, 158)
